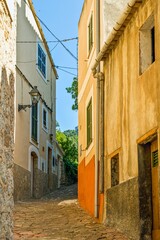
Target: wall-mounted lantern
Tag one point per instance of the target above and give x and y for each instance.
(35, 97)
(51, 137)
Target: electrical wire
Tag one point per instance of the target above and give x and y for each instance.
(67, 72)
(53, 34)
(58, 39)
(58, 67)
(27, 61)
(66, 67)
(54, 47)
(50, 41)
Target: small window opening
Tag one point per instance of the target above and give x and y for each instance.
(115, 170)
(147, 44)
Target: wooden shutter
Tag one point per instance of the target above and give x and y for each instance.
(89, 123)
(35, 122)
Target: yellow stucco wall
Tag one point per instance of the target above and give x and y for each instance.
(131, 99)
(86, 82)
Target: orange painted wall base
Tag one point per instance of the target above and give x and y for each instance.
(86, 188)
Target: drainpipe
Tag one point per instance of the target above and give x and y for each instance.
(112, 34)
(97, 148)
(96, 209)
(100, 128)
(101, 168)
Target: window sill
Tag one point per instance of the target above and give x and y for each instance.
(88, 149)
(34, 142)
(146, 70)
(41, 75)
(90, 56)
(45, 129)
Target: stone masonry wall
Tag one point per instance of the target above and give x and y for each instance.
(123, 208)
(22, 183)
(41, 185)
(7, 79)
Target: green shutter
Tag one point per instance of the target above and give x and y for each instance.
(44, 118)
(90, 34)
(35, 122)
(155, 159)
(89, 123)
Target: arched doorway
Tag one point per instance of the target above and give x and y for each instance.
(50, 177)
(34, 169)
(33, 166)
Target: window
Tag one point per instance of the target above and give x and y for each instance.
(43, 167)
(35, 122)
(45, 118)
(54, 161)
(152, 45)
(41, 61)
(147, 44)
(90, 34)
(115, 170)
(89, 123)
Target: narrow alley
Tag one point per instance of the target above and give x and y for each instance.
(58, 216)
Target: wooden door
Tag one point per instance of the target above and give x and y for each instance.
(32, 177)
(155, 191)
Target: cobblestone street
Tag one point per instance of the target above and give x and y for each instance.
(58, 216)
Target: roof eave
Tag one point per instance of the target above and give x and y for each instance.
(116, 32)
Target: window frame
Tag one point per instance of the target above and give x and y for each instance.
(45, 127)
(146, 40)
(53, 161)
(39, 69)
(115, 182)
(33, 137)
(90, 34)
(89, 123)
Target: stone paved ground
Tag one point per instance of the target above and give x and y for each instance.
(58, 216)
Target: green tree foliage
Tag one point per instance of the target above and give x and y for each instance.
(73, 90)
(68, 140)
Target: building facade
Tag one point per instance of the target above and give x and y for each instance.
(7, 83)
(86, 104)
(96, 20)
(127, 66)
(36, 165)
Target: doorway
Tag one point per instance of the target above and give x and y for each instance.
(155, 191)
(34, 167)
(149, 189)
(49, 168)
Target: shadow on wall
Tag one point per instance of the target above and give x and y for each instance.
(6, 152)
(7, 109)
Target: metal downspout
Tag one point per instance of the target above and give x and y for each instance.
(101, 168)
(97, 148)
(96, 210)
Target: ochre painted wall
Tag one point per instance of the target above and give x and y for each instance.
(86, 188)
(86, 185)
(101, 207)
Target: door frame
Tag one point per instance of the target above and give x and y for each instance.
(145, 185)
(34, 167)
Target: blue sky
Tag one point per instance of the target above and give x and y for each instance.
(61, 17)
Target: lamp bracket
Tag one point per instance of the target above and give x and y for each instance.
(23, 107)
